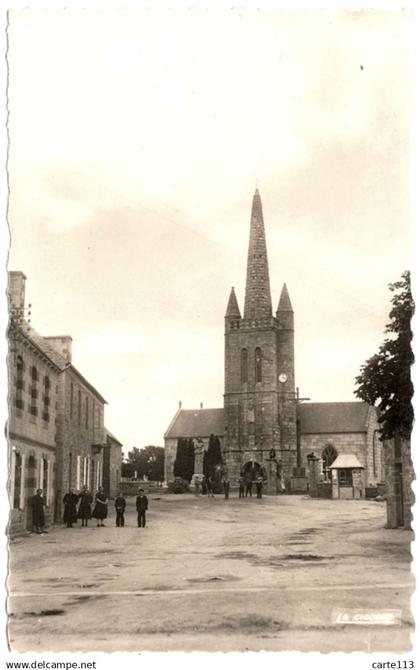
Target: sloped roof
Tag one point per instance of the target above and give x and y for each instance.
(333, 417)
(315, 418)
(42, 344)
(112, 437)
(55, 357)
(347, 461)
(197, 423)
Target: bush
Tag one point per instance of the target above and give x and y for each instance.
(179, 485)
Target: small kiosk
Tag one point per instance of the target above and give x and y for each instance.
(346, 477)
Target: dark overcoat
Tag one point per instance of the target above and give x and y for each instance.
(70, 508)
(38, 515)
(120, 504)
(85, 510)
(100, 510)
(142, 503)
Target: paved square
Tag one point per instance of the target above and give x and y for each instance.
(210, 574)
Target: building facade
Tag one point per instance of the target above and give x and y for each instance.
(34, 374)
(80, 430)
(56, 432)
(112, 460)
(264, 428)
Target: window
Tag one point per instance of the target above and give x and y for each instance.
(44, 483)
(87, 412)
(258, 365)
(20, 384)
(244, 366)
(71, 399)
(345, 477)
(79, 406)
(329, 454)
(46, 399)
(34, 391)
(17, 479)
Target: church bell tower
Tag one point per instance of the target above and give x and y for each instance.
(259, 398)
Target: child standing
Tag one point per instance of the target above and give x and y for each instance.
(120, 504)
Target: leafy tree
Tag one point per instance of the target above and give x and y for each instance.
(385, 378)
(212, 457)
(145, 461)
(185, 459)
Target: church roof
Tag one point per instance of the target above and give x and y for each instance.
(346, 461)
(315, 418)
(333, 417)
(197, 423)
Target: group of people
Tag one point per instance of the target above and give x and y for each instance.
(79, 506)
(206, 486)
(245, 487)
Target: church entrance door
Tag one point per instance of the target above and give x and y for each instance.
(252, 470)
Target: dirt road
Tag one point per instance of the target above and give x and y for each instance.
(210, 574)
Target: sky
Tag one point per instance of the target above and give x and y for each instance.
(137, 139)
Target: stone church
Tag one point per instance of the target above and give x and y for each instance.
(264, 429)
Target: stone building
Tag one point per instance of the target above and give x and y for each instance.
(264, 428)
(80, 428)
(56, 431)
(34, 371)
(195, 424)
(328, 429)
(112, 460)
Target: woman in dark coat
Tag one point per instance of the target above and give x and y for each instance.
(100, 511)
(70, 511)
(38, 515)
(85, 510)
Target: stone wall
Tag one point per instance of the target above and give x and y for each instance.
(344, 443)
(260, 415)
(112, 469)
(78, 461)
(33, 391)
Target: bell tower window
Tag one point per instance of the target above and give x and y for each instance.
(258, 365)
(244, 366)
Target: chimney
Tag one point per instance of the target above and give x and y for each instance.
(62, 344)
(201, 405)
(179, 404)
(16, 291)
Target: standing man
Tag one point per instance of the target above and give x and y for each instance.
(38, 515)
(120, 509)
(259, 487)
(248, 488)
(226, 487)
(142, 505)
(241, 487)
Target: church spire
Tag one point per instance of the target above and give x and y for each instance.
(257, 293)
(284, 312)
(284, 303)
(233, 307)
